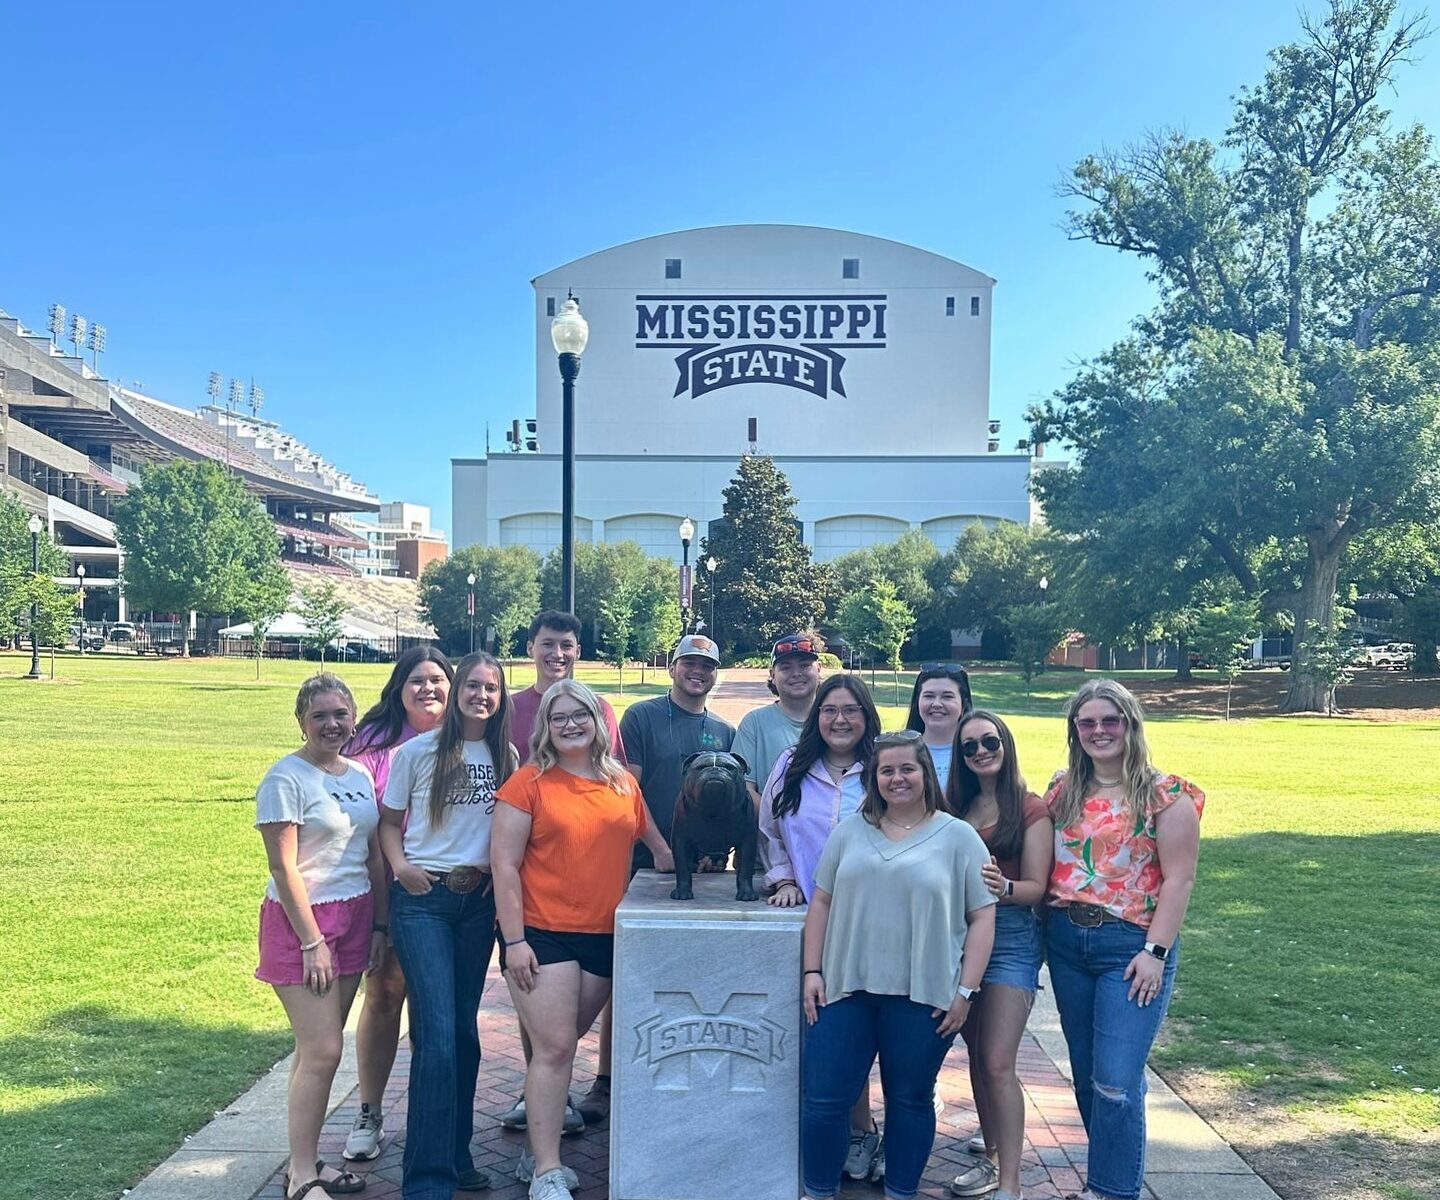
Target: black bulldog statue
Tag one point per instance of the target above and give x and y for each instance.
(714, 815)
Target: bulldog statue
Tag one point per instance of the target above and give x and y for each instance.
(714, 815)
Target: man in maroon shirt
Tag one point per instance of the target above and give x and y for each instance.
(554, 647)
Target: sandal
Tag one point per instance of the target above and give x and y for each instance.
(346, 1183)
(303, 1192)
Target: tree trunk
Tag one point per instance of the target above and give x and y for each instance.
(1314, 609)
(1182, 668)
(1424, 662)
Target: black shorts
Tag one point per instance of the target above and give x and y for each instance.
(595, 952)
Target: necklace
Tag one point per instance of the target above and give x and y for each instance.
(1108, 782)
(323, 767)
(835, 770)
(901, 825)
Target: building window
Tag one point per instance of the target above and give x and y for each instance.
(974, 306)
(672, 268)
(949, 306)
(850, 268)
(549, 306)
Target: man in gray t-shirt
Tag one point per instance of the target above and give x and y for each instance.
(660, 734)
(766, 733)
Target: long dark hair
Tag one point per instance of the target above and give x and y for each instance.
(964, 787)
(811, 746)
(382, 727)
(955, 674)
(873, 807)
(450, 744)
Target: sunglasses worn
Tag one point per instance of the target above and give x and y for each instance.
(1111, 724)
(970, 747)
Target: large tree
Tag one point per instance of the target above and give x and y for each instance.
(17, 587)
(986, 573)
(507, 595)
(1294, 400)
(194, 538)
(909, 563)
(765, 582)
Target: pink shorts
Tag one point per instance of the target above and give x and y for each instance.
(346, 925)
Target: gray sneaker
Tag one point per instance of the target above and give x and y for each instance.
(525, 1170)
(515, 1119)
(877, 1168)
(363, 1144)
(550, 1186)
(978, 1180)
(863, 1149)
(977, 1144)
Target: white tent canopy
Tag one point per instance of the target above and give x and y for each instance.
(292, 625)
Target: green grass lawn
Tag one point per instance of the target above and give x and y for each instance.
(128, 1012)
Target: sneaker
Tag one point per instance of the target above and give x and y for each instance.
(978, 1144)
(594, 1105)
(525, 1170)
(515, 1119)
(363, 1144)
(938, 1104)
(473, 1180)
(979, 1180)
(550, 1186)
(877, 1168)
(863, 1149)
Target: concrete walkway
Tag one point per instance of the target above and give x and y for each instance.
(241, 1154)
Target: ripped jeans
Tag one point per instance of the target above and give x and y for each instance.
(1109, 1039)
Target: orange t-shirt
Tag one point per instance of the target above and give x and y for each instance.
(577, 862)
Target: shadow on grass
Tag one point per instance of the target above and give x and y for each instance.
(1307, 977)
(91, 1099)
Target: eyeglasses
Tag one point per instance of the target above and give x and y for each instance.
(899, 737)
(970, 747)
(579, 718)
(1111, 724)
(851, 712)
(798, 646)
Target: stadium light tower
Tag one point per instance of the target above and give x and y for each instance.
(569, 332)
(212, 388)
(97, 344)
(79, 327)
(57, 323)
(257, 398)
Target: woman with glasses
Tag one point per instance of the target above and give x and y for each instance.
(1126, 843)
(565, 829)
(813, 787)
(989, 793)
(940, 697)
(435, 828)
(894, 950)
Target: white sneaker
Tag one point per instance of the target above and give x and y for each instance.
(550, 1186)
(525, 1170)
(363, 1144)
(977, 1144)
(863, 1149)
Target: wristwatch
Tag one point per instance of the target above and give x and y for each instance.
(1156, 950)
(968, 993)
(1009, 887)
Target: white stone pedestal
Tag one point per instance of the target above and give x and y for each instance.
(705, 1091)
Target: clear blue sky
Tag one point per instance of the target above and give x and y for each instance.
(348, 202)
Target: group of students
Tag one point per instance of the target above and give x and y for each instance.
(404, 843)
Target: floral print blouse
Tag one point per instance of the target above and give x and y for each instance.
(1108, 858)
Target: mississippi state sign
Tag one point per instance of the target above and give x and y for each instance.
(791, 340)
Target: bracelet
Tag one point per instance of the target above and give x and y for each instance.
(516, 942)
(380, 928)
(315, 945)
(814, 971)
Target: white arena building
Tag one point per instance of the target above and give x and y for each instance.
(861, 365)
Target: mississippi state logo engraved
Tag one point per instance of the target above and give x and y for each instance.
(682, 1037)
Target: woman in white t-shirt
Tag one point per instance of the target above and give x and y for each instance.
(435, 831)
(895, 945)
(322, 923)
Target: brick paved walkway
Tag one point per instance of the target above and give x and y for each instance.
(1054, 1151)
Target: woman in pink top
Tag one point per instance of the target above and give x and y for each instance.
(1126, 842)
(412, 702)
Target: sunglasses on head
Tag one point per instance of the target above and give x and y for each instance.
(900, 737)
(970, 747)
(798, 646)
(953, 670)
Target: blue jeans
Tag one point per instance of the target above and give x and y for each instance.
(839, 1050)
(1109, 1038)
(444, 941)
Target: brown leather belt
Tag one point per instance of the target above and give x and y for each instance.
(1088, 916)
(462, 880)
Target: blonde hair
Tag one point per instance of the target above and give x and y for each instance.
(317, 685)
(542, 745)
(1138, 775)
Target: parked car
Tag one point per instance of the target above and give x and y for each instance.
(1393, 656)
(122, 631)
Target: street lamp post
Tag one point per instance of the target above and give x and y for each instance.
(80, 571)
(568, 333)
(687, 531)
(470, 580)
(710, 565)
(34, 525)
